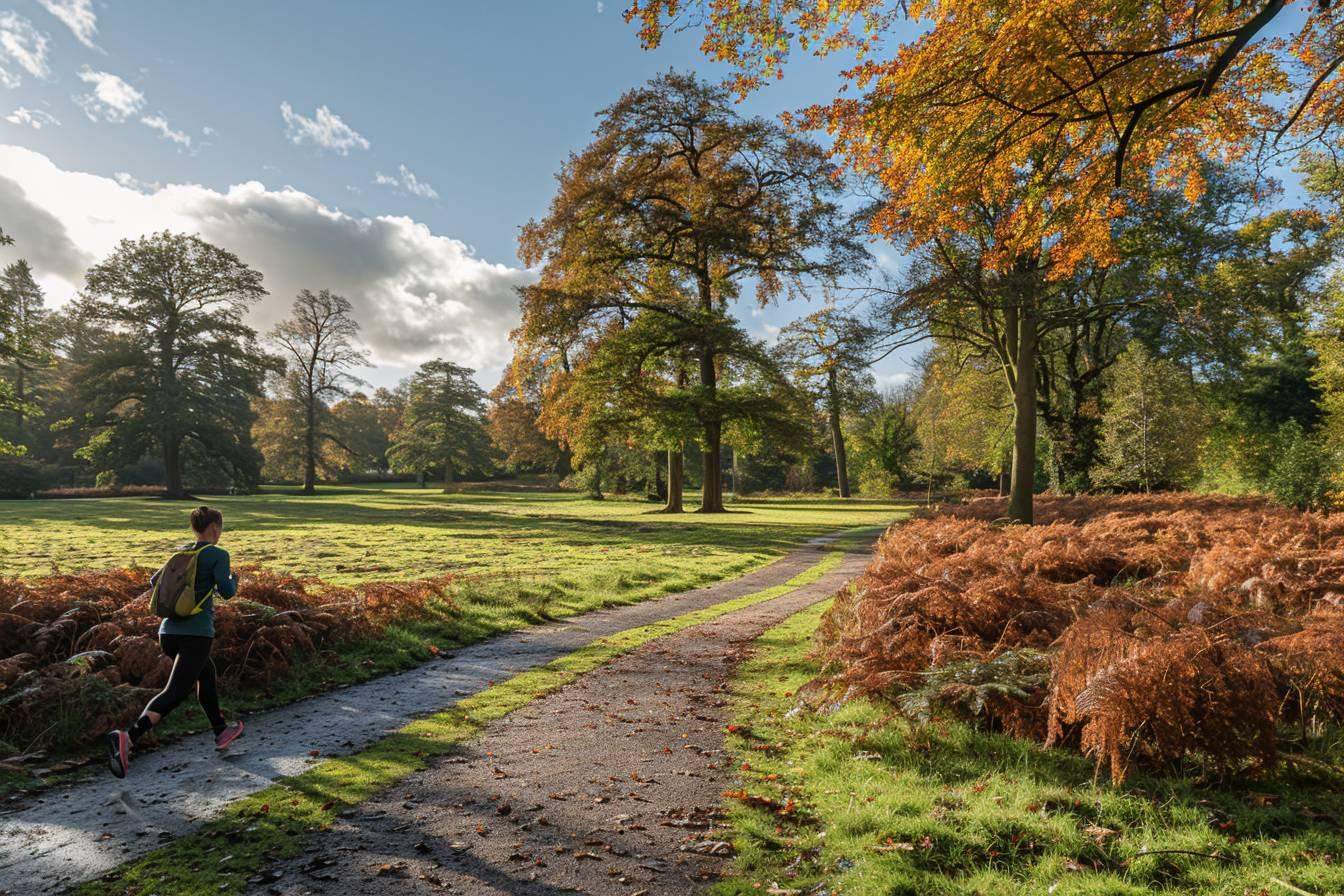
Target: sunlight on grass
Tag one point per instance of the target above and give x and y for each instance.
(358, 534)
(860, 801)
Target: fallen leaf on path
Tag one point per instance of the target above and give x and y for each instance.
(709, 848)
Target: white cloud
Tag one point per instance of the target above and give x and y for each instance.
(417, 295)
(406, 181)
(112, 98)
(33, 118)
(131, 182)
(326, 129)
(208, 131)
(21, 46)
(601, 7)
(160, 124)
(78, 16)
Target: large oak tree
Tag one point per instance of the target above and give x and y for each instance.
(676, 184)
(178, 367)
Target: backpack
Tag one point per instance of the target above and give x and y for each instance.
(174, 593)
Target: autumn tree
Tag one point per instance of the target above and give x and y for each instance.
(442, 427)
(1092, 95)
(178, 367)
(515, 406)
(963, 412)
(362, 438)
(318, 345)
(1152, 426)
(277, 432)
(828, 351)
(678, 186)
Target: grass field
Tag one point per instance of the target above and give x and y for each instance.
(862, 802)
(519, 559)
(358, 534)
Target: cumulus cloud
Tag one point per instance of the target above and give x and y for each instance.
(41, 237)
(160, 124)
(326, 129)
(33, 118)
(407, 181)
(112, 98)
(78, 16)
(418, 295)
(22, 49)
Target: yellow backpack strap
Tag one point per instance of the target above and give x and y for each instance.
(200, 605)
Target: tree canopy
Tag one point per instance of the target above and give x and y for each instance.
(177, 367)
(1090, 94)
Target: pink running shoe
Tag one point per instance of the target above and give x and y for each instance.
(118, 753)
(231, 733)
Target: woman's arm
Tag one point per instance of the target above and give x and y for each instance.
(225, 584)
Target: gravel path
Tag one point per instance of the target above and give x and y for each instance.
(609, 786)
(74, 833)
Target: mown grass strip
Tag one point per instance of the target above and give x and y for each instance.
(858, 801)
(254, 831)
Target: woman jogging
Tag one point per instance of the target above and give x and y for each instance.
(196, 573)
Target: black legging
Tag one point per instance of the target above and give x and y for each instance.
(192, 667)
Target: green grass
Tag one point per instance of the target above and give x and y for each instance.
(357, 534)
(255, 831)
(881, 807)
(521, 558)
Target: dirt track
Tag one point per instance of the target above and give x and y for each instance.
(608, 786)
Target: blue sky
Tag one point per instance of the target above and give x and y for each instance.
(444, 124)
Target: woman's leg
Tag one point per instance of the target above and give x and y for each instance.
(189, 654)
(207, 692)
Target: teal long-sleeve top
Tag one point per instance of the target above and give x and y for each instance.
(212, 571)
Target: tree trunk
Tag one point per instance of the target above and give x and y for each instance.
(712, 488)
(420, 479)
(838, 438)
(310, 450)
(676, 480)
(172, 469)
(737, 484)
(712, 456)
(1024, 419)
(447, 474)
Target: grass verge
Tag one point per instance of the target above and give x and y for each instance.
(860, 802)
(467, 611)
(256, 830)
